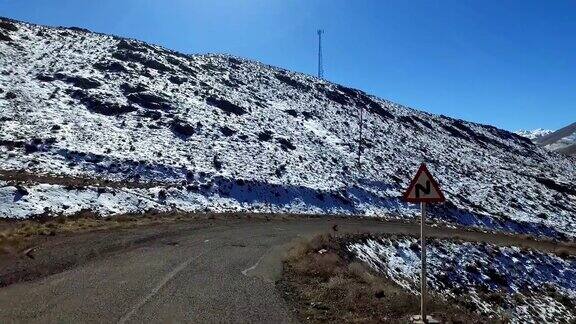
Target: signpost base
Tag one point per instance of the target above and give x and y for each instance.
(417, 319)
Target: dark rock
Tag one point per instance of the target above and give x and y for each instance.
(130, 46)
(153, 64)
(293, 83)
(217, 163)
(128, 56)
(265, 136)
(559, 187)
(279, 172)
(30, 148)
(100, 105)
(152, 114)
(138, 57)
(4, 37)
(408, 121)
(213, 68)
(225, 105)
(21, 190)
(78, 29)
(291, 112)
(286, 144)
(149, 101)
(227, 131)
(78, 81)
(423, 122)
(110, 66)
(182, 128)
(307, 115)
(496, 277)
(232, 83)
(337, 97)
(234, 61)
(415, 247)
(349, 91)
(8, 26)
(181, 65)
(377, 109)
(10, 95)
(454, 132)
(45, 78)
(177, 80)
(128, 89)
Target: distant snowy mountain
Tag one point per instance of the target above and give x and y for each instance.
(161, 130)
(562, 140)
(533, 134)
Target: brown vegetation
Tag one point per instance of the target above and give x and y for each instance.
(324, 284)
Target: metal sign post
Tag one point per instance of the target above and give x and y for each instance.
(423, 189)
(423, 286)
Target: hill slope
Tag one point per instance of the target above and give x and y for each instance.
(222, 133)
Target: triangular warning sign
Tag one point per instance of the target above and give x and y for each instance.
(423, 188)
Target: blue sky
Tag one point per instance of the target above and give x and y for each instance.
(507, 63)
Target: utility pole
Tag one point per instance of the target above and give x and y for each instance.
(360, 138)
(320, 67)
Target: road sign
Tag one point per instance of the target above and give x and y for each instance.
(423, 188)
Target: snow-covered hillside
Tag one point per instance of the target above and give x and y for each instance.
(520, 285)
(216, 132)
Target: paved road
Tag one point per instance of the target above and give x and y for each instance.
(222, 273)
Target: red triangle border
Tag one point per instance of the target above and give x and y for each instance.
(424, 169)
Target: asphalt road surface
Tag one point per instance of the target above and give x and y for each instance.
(220, 273)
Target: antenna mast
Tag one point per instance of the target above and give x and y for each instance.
(320, 67)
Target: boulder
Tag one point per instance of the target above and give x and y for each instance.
(110, 66)
(182, 128)
(149, 100)
(78, 81)
(225, 105)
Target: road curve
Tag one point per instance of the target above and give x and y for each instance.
(220, 273)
